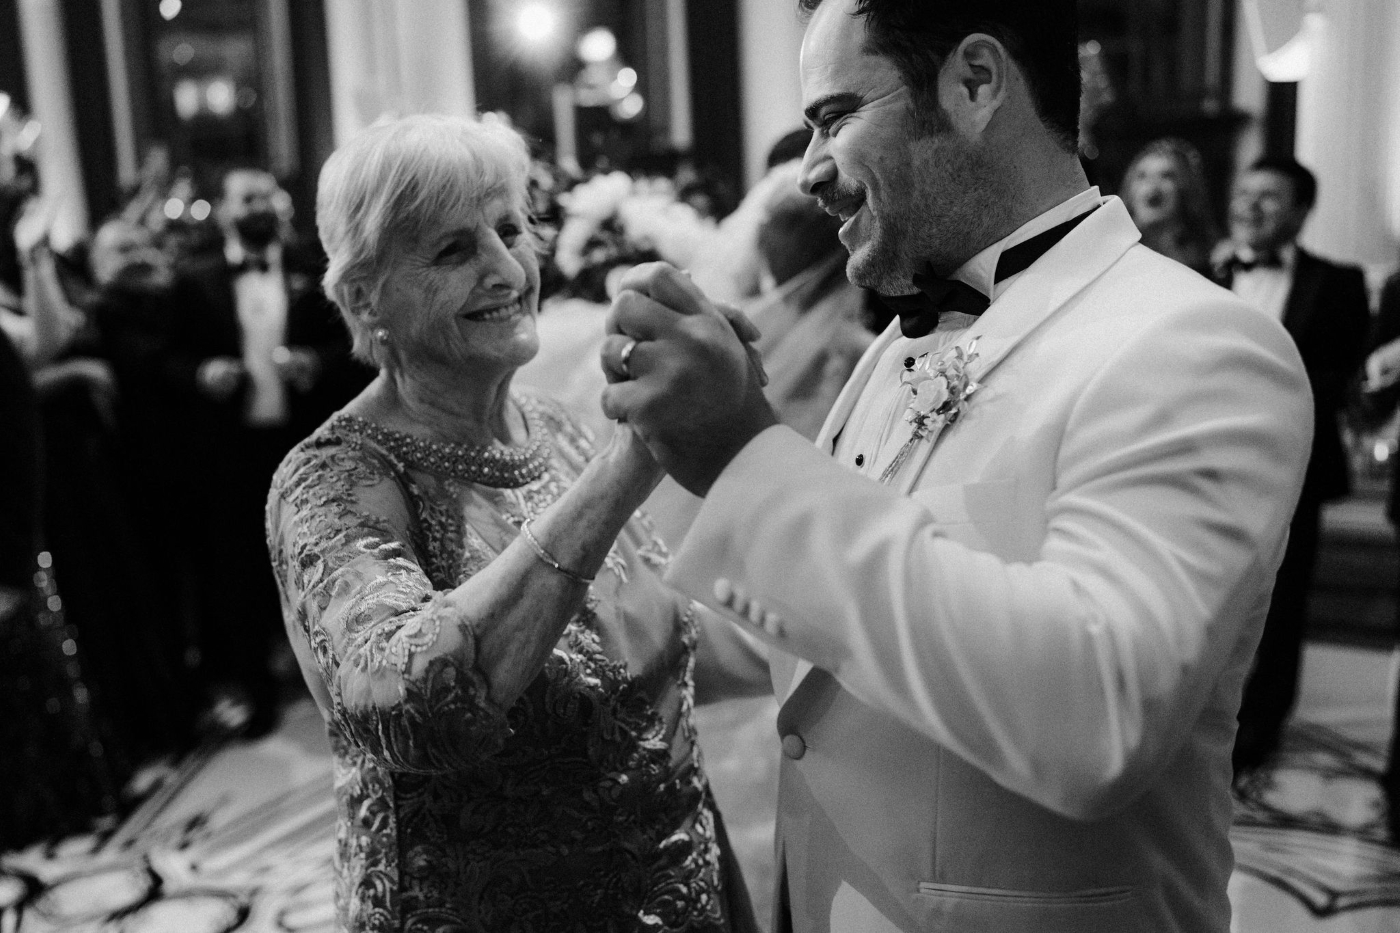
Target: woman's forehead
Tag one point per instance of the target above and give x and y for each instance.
(466, 214)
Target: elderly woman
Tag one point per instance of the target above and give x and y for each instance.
(478, 610)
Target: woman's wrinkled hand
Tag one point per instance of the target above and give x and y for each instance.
(634, 462)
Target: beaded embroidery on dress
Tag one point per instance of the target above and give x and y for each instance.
(584, 805)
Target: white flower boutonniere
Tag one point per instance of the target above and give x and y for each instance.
(940, 392)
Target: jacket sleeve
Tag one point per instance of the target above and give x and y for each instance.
(1072, 678)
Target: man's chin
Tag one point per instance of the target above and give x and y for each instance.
(875, 272)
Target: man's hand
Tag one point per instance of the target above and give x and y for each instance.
(1382, 367)
(297, 366)
(219, 376)
(690, 387)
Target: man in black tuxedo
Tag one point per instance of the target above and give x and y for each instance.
(1324, 306)
(264, 358)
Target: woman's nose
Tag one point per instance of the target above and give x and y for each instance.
(502, 269)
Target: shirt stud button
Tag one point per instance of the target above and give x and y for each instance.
(860, 459)
(793, 746)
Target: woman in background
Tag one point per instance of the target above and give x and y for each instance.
(1165, 191)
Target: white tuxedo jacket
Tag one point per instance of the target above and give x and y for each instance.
(1009, 680)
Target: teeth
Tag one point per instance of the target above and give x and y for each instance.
(497, 314)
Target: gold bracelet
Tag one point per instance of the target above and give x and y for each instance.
(546, 558)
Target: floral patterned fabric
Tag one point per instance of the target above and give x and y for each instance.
(581, 807)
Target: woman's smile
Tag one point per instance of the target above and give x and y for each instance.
(498, 313)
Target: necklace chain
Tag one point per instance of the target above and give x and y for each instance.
(496, 465)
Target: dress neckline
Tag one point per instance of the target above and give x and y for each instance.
(498, 465)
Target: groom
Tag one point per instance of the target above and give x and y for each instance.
(1013, 591)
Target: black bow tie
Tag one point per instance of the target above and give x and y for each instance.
(252, 263)
(1267, 259)
(919, 313)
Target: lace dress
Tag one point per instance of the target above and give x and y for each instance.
(581, 807)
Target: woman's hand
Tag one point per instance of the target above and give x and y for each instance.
(633, 461)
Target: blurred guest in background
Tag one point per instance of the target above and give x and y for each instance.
(1324, 307)
(480, 617)
(810, 315)
(59, 768)
(1165, 192)
(1381, 395)
(134, 315)
(257, 348)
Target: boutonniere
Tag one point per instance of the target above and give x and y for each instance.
(939, 393)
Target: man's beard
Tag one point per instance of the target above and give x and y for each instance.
(950, 202)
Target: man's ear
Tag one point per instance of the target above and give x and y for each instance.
(974, 82)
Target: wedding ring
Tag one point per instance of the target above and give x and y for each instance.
(624, 359)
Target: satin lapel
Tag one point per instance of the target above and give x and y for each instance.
(1302, 294)
(1043, 289)
(1074, 262)
(846, 400)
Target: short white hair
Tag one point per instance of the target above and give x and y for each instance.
(393, 181)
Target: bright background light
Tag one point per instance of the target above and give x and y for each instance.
(169, 9)
(597, 45)
(536, 22)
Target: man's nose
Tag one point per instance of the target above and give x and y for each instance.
(818, 169)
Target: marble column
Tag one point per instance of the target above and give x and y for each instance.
(770, 38)
(397, 57)
(51, 103)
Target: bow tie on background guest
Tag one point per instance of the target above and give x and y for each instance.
(1264, 259)
(251, 263)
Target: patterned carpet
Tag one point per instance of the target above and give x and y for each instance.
(238, 838)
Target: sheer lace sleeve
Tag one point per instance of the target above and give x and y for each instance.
(396, 658)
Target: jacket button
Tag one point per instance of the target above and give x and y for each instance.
(793, 746)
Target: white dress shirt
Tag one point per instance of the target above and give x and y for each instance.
(261, 301)
(1266, 287)
(871, 438)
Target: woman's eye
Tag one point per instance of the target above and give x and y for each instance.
(453, 250)
(509, 233)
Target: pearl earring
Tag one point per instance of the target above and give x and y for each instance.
(381, 336)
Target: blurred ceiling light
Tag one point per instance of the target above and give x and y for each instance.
(174, 208)
(1283, 36)
(4, 104)
(536, 22)
(169, 9)
(186, 94)
(199, 210)
(220, 97)
(597, 45)
(629, 108)
(627, 77)
(183, 54)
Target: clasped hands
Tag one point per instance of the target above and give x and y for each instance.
(683, 374)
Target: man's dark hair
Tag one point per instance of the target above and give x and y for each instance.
(1299, 175)
(1041, 35)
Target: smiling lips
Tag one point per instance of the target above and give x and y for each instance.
(498, 313)
(845, 208)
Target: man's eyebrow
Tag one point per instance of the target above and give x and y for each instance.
(809, 115)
